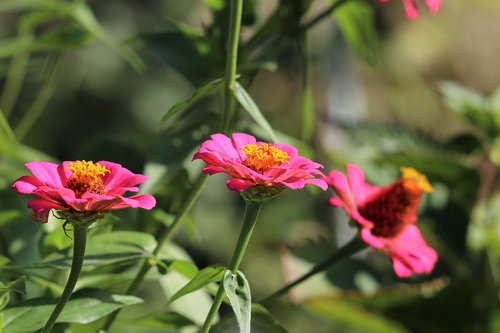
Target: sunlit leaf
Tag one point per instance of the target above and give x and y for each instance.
(203, 278)
(253, 110)
(84, 307)
(237, 290)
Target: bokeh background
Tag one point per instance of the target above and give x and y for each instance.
(92, 80)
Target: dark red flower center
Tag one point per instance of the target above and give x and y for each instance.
(86, 177)
(396, 205)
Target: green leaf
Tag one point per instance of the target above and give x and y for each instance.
(111, 248)
(356, 23)
(253, 110)
(198, 94)
(163, 320)
(353, 318)
(18, 285)
(84, 307)
(204, 277)
(471, 107)
(185, 268)
(263, 318)
(214, 4)
(238, 291)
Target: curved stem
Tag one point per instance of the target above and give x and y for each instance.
(354, 246)
(251, 213)
(308, 116)
(231, 62)
(80, 241)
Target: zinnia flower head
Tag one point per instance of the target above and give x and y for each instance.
(387, 216)
(82, 191)
(411, 7)
(259, 167)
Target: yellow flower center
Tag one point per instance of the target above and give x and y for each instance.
(420, 179)
(86, 177)
(262, 157)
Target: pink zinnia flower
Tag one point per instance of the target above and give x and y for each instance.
(252, 163)
(81, 189)
(411, 7)
(387, 216)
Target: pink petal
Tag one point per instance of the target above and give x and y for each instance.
(120, 179)
(338, 182)
(321, 183)
(26, 184)
(144, 201)
(433, 5)
(372, 240)
(360, 189)
(241, 140)
(410, 9)
(41, 204)
(290, 150)
(48, 173)
(410, 250)
(239, 185)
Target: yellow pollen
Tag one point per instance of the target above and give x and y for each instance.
(262, 157)
(417, 177)
(86, 177)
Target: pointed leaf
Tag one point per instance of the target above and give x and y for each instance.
(253, 110)
(356, 23)
(204, 277)
(238, 291)
(198, 94)
(17, 285)
(84, 307)
(163, 320)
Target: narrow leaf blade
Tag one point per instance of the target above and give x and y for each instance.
(198, 94)
(204, 277)
(253, 110)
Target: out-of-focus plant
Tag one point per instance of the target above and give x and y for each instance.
(177, 284)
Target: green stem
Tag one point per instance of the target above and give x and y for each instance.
(231, 62)
(327, 12)
(38, 104)
(146, 266)
(80, 240)
(308, 116)
(354, 246)
(251, 213)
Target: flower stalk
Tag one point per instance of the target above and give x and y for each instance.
(354, 246)
(252, 210)
(80, 241)
(236, 8)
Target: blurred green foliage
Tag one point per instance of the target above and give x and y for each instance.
(139, 83)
